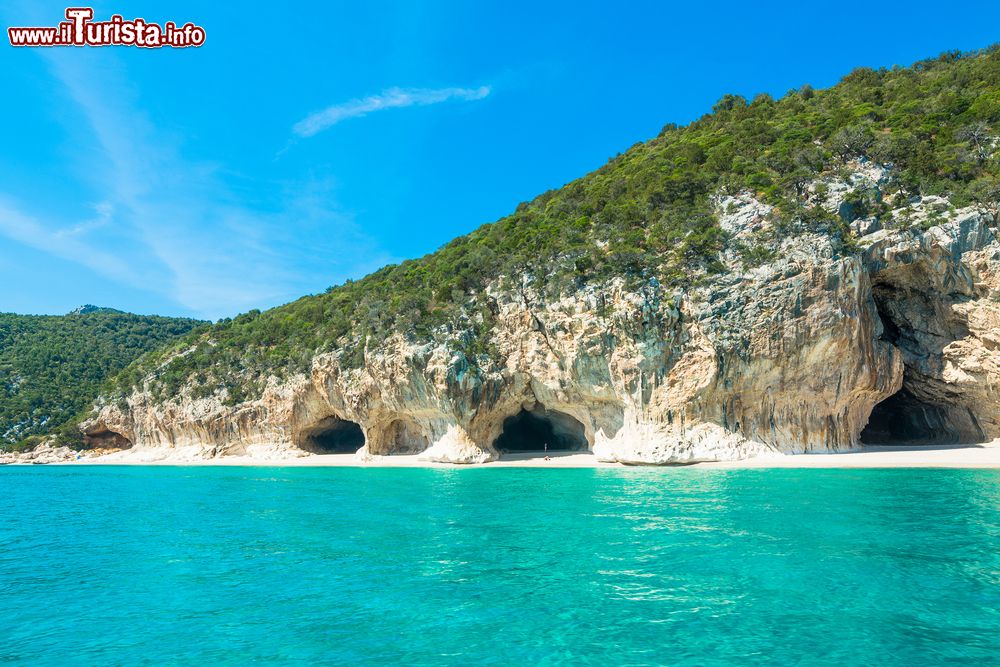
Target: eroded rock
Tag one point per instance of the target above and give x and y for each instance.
(788, 356)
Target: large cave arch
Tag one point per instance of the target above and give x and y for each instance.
(333, 435)
(915, 305)
(541, 430)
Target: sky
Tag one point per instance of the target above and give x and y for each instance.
(303, 146)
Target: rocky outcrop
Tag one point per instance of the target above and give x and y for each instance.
(47, 452)
(789, 356)
(936, 293)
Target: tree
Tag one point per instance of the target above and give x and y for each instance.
(985, 191)
(729, 102)
(977, 135)
(853, 141)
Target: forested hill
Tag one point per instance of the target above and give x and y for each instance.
(647, 214)
(51, 367)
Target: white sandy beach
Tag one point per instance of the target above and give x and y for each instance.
(937, 456)
(942, 456)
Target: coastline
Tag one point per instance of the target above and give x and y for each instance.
(935, 456)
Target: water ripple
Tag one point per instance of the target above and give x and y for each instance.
(626, 567)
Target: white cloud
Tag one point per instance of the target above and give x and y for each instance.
(393, 98)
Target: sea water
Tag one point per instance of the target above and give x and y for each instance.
(222, 565)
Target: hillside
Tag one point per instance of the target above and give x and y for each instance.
(647, 214)
(51, 367)
(780, 275)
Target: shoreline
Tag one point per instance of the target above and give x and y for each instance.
(932, 456)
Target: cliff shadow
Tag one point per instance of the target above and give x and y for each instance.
(105, 438)
(539, 431)
(402, 436)
(332, 435)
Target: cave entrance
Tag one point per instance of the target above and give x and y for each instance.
(334, 436)
(904, 419)
(541, 430)
(405, 437)
(106, 439)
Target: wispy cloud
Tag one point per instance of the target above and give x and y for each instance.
(179, 228)
(393, 98)
(21, 227)
(103, 215)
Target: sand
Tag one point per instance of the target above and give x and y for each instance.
(939, 456)
(948, 456)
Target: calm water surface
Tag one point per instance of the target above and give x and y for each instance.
(222, 566)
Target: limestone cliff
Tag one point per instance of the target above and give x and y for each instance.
(792, 355)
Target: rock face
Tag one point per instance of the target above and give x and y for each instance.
(790, 356)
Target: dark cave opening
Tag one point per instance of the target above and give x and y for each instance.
(903, 419)
(541, 430)
(106, 439)
(890, 331)
(334, 436)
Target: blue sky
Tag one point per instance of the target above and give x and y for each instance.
(301, 147)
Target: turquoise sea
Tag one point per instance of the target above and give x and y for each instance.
(228, 566)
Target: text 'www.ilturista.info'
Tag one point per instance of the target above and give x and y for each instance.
(81, 30)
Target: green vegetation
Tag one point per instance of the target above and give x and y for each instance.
(51, 367)
(646, 215)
